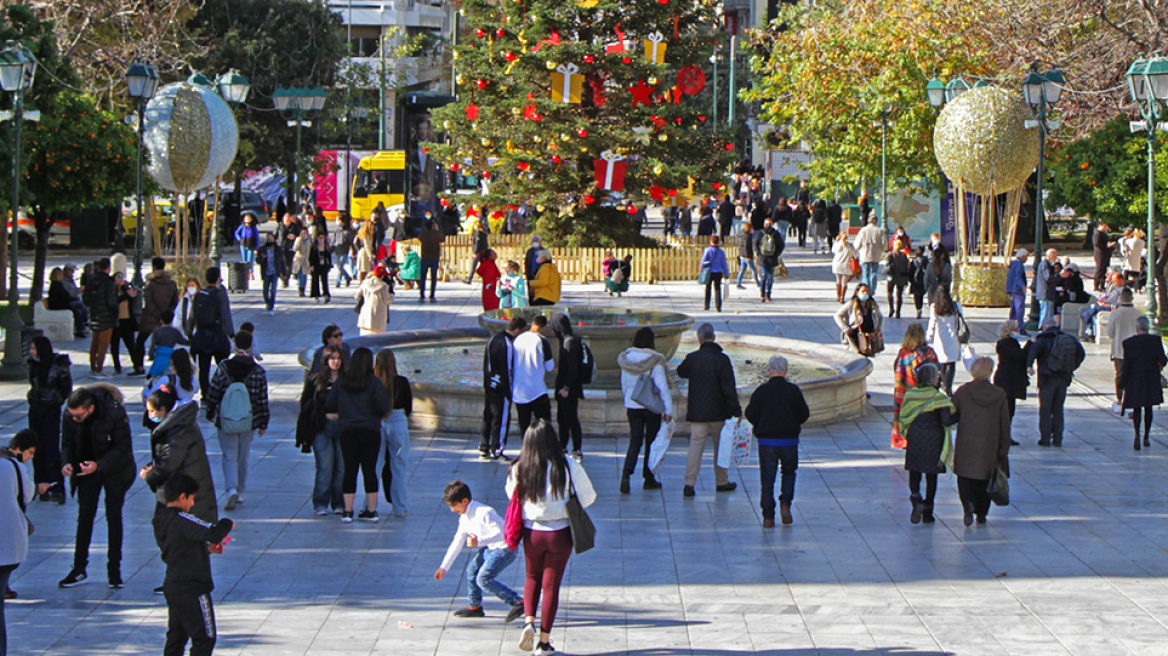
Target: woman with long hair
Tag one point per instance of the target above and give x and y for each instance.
(636, 362)
(861, 323)
(182, 313)
(488, 270)
(914, 351)
(714, 259)
(127, 328)
(322, 434)
(395, 429)
(926, 414)
(944, 325)
(180, 378)
(841, 265)
(50, 383)
(359, 401)
(939, 273)
(365, 248)
(320, 262)
(543, 479)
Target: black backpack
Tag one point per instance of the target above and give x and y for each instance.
(587, 363)
(206, 310)
(1064, 355)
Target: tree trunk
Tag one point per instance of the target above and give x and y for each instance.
(44, 224)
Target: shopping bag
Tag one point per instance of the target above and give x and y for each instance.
(999, 488)
(660, 445)
(726, 443)
(743, 436)
(968, 355)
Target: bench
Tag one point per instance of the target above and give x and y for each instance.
(57, 324)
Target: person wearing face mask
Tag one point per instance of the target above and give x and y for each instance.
(183, 319)
(531, 259)
(861, 323)
(49, 385)
(177, 446)
(16, 492)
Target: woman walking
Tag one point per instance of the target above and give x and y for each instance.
(861, 323)
(489, 271)
(1011, 374)
(301, 251)
(395, 429)
(50, 383)
(983, 439)
(925, 418)
(127, 329)
(359, 402)
(944, 325)
(898, 277)
(914, 352)
(819, 226)
(916, 278)
(324, 432)
(375, 299)
(642, 361)
(569, 385)
(365, 248)
(177, 446)
(1143, 358)
(841, 265)
(320, 262)
(938, 274)
(714, 259)
(543, 479)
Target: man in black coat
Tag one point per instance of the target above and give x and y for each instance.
(725, 217)
(98, 453)
(713, 398)
(1101, 241)
(213, 328)
(569, 386)
(777, 411)
(1058, 355)
(101, 297)
(498, 364)
(835, 218)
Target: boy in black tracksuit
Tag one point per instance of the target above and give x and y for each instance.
(498, 361)
(187, 543)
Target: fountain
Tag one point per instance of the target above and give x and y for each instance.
(445, 367)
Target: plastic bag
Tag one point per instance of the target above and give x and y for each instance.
(660, 445)
(968, 355)
(734, 443)
(725, 444)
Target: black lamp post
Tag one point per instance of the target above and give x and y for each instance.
(296, 105)
(234, 88)
(1041, 91)
(1147, 81)
(141, 82)
(17, 69)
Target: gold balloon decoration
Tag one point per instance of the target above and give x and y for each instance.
(982, 141)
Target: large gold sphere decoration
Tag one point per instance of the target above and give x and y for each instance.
(981, 141)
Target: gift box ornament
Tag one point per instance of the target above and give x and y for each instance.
(610, 171)
(655, 48)
(567, 84)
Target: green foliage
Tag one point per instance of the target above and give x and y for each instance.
(1105, 175)
(511, 48)
(812, 74)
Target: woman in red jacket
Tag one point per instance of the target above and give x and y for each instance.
(489, 272)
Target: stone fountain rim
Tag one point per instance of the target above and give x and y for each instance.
(853, 366)
(684, 321)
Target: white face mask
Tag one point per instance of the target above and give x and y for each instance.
(936, 242)
(191, 289)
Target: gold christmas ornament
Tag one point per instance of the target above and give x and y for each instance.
(652, 81)
(537, 138)
(981, 141)
(551, 65)
(459, 79)
(657, 170)
(485, 142)
(446, 125)
(663, 137)
(564, 136)
(515, 111)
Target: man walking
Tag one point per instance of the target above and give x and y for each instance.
(777, 411)
(1101, 241)
(533, 357)
(213, 329)
(431, 239)
(159, 296)
(498, 365)
(101, 297)
(1016, 288)
(870, 243)
(713, 398)
(769, 245)
(271, 261)
(1058, 355)
(237, 403)
(1121, 326)
(98, 453)
(1044, 288)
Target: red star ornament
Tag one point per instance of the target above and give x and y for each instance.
(642, 93)
(656, 192)
(472, 112)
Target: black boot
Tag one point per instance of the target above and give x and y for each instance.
(927, 513)
(1136, 443)
(917, 509)
(968, 518)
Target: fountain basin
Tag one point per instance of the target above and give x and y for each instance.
(608, 331)
(444, 368)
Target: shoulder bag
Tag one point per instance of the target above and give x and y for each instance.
(646, 395)
(513, 522)
(20, 496)
(583, 530)
(704, 275)
(962, 329)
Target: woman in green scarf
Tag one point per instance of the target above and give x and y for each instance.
(925, 417)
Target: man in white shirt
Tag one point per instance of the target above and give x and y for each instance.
(533, 357)
(870, 244)
(481, 529)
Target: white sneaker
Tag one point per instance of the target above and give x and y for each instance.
(527, 640)
(544, 649)
(320, 512)
(232, 499)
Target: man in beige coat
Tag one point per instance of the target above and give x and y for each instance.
(1120, 326)
(870, 243)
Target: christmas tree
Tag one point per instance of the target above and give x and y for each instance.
(583, 107)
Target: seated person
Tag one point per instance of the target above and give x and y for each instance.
(1070, 287)
(1109, 301)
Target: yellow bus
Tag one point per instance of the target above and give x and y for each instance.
(380, 178)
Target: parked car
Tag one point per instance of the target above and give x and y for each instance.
(252, 204)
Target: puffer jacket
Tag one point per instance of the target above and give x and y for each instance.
(107, 441)
(58, 385)
(636, 362)
(712, 394)
(177, 445)
(101, 297)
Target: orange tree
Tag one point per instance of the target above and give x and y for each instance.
(546, 87)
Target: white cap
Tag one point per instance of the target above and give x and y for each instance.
(1021, 253)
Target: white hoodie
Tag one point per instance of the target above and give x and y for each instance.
(634, 363)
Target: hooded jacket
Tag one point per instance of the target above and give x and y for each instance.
(375, 308)
(50, 381)
(103, 438)
(713, 396)
(983, 430)
(176, 445)
(571, 354)
(161, 294)
(636, 362)
(101, 297)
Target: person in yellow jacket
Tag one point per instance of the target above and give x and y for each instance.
(545, 287)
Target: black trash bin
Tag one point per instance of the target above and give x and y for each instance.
(237, 274)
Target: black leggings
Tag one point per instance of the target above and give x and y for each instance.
(359, 449)
(125, 334)
(568, 417)
(1146, 412)
(914, 485)
(947, 371)
(320, 284)
(715, 281)
(643, 427)
(1011, 405)
(894, 306)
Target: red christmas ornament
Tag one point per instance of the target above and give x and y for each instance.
(445, 202)
(677, 120)
(487, 175)
(662, 2)
(482, 84)
(454, 167)
(523, 166)
(589, 199)
(509, 56)
(472, 112)
(701, 118)
(425, 150)
(632, 210)
(588, 59)
(582, 133)
(556, 159)
(480, 33)
(729, 146)
(500, 33)
(691, 80)
(717, 185)
(642, 93)
(626, 60)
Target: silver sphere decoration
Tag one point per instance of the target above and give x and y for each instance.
(192, 136)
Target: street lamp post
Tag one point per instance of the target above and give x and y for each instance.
(296, 105)
(17, 69)
(1041, 91)
(353, 112)
(234, 88)
(1148, 84)
(886, 110)
(142, 82)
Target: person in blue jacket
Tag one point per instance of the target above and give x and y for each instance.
(247, 235)
(714, 258)
(1016, 288)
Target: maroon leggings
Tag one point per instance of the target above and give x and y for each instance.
(546, 553)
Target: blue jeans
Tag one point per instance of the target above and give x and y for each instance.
(236, 448)
(869, 271)
(246, 255)
(395, 445)
(743, 265)
(80, 316)
(767, 281)
(270, 285)
(343, 262)
(1018, 309)
(330, 467)
(5, 573)
(1046, 311)
(769, 458)
(432, 267)
(481, 569)
(302, 280)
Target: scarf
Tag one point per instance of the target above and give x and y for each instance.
(920, 400)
